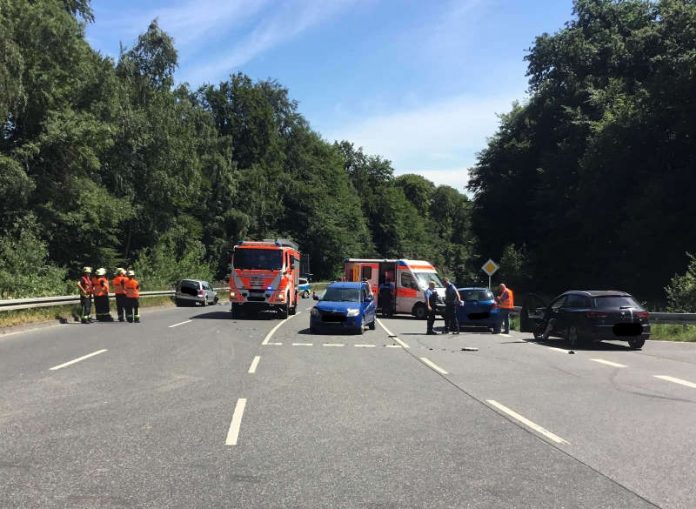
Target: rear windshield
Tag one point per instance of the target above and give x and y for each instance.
(476, 295)
(615, 302)
(342, 294)
(191, 285)
(263, 259)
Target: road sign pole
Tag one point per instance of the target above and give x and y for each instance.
(489, 282)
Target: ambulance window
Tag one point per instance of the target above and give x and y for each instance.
(407, 281)
(367, 272)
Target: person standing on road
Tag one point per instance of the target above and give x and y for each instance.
(386, 295)
(452, 300)
(132, 287)
(85, 287)
(101, 296)
(120, 291)
(431, 303)
(506, 303)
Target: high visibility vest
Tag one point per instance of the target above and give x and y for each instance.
(132, 288)
(508, 303)
(86, 283)
(101, 288)
(118, 285)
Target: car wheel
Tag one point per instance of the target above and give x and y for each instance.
(372, 325)
(178, 303)
(305, 294)
(284, 311)
(573, 337)
(216, 300)
(361, 327)
(420, 312)
(636, 344)
(313, 330)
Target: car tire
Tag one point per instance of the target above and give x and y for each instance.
(284, 311)
(178, 303)
(313, 330)
(293, 309)
(372, 325)
(216, 300)
(573, 337)
(636, 344)
(305, 294)
(420, 311)
(361, 328)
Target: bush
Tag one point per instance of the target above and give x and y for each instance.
(24, 270)
(681, 290)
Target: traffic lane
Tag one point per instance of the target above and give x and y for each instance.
(609, 415)
(352, 427)
(31, 351)
(147, 418)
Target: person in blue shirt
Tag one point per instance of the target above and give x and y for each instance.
(452, 300)
(431, 302)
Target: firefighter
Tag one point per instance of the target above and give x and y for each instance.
(101, 296)
(506, 304)
(120, 291)
(85, 287)
(132, 297)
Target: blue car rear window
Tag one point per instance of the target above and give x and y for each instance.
(476, 295)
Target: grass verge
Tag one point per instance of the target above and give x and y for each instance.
(38, 315)
(672, 332)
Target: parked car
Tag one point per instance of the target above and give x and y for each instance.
(304, 288)
(194, 291)
(345, 306)
(587, 316)
(479, 309)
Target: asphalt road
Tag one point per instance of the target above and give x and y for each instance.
(192, 408)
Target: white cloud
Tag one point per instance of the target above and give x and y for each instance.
(286, 22)
(438, 140)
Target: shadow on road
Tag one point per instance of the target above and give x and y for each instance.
(600, 347)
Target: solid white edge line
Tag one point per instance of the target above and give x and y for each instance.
(610, 363)
(270, 334)
(182, 323)
(527, 422)
(333, 344)
(401, 343)
(676, 380)
(233, 432)
(254, 364)
(433, 365)
(65, 364)
(385, 329)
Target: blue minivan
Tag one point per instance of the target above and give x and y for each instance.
(345, 306)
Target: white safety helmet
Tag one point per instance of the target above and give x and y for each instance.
(119, 270)
(130, 273)
(101, 271)
(86, 270)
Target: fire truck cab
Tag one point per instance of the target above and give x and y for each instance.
(264, 275)
(398, 284)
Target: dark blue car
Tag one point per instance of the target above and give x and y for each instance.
(344, 307)
(479, 309)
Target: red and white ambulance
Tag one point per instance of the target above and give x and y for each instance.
(399, 283)
(264, 275)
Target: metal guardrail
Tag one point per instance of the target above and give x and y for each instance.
(63, 300)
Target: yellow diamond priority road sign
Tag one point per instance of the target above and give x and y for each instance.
(490, 267)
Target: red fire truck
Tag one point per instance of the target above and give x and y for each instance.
(264, 275)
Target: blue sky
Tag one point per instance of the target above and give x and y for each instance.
(417, 82)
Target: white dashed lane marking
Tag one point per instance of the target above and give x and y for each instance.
(526, 422)
(610, 363)
(70, 363)
(676, 380)
(254, 365)
(334, 344)
(236, 424)
(180, 323)
(303, 344)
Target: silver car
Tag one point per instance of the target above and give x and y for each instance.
(194, 291)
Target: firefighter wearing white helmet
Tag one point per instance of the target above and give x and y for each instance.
(132, 287)
(101, 296)
(85, 287)
(120, 291)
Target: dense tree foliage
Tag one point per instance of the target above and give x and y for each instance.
(110, 163)
(594, 177)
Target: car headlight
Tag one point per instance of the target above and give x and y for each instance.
(315, 312)
(353, 312)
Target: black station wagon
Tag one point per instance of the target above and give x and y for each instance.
(582, 316)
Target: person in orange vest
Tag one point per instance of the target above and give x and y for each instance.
(85, 287)
(101, 296)
(120, 291)
(506, 303)
(132, 287)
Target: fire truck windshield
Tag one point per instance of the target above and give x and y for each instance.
(262, 259)
(424, 278)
